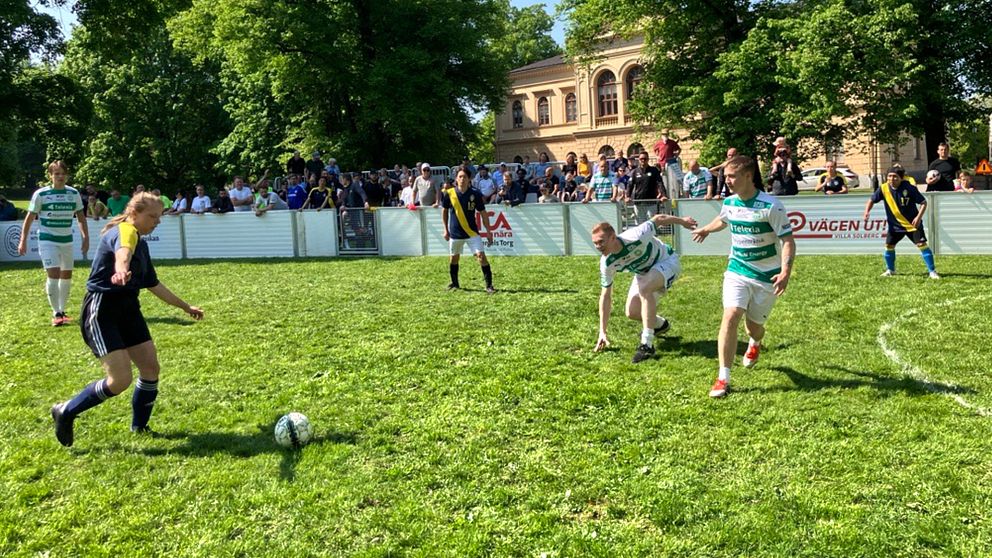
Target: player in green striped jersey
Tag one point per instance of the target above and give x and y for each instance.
(762, 250)
(54, 207)
(655, 267)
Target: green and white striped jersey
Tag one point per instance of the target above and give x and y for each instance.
(640, 252)
(55, 209)
(756, 227)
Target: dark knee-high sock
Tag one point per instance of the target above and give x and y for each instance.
(453, 271)
(487, 272)
(927, 255)
(92, 395)
(142, 400)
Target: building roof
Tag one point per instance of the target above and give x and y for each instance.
(558, 60)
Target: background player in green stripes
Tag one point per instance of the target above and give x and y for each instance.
(762, 250)
(54, 206)
(655, 267)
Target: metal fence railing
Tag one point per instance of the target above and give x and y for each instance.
(356, 232)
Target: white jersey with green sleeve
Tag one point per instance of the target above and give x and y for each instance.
(757, 226)
(641, 250)
(55, 209)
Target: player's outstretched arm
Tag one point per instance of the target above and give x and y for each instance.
(605, 305)
(662, 219)
(167, 296)
(716, 225)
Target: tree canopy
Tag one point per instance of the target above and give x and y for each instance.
(740, 73)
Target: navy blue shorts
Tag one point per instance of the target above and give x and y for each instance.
(918, 237)
(112, 321)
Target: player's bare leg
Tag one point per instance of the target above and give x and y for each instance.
(756, 332)
(727, 347)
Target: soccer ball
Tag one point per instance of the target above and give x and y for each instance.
(933, 175)
(293, 431)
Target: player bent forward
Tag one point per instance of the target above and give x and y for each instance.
(112, 323)
(655, 267)
(762, 250)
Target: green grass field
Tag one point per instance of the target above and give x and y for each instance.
(461, 424)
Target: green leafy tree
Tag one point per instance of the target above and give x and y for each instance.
(371, 82)
(482, 147)
(737, 73)
(526, 36)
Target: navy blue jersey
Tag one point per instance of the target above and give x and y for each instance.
(143, 274)
(900, 205)
(471, 201)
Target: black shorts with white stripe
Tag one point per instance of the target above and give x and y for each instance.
(112, 321)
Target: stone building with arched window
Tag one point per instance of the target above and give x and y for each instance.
(556, 107)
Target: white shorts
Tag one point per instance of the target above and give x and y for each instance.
(669, 268)
(56, 255)
(455, 245)
(755, 297)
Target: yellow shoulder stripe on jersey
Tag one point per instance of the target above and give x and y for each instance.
(460, 213)
(891, 202)
(129, 236)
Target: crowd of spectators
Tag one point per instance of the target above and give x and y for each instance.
(314, 184)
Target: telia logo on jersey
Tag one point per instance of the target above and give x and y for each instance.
(11, 239)
(835, 227)
(502, 233)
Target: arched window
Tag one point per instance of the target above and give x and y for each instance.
(634, 77)
(543, 111)
(606, 91)
(608, 151)
(518, 114)
(635, 149)
(571, 108)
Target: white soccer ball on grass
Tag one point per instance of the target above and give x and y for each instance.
(293, 431)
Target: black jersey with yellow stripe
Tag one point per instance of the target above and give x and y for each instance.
(143, 275)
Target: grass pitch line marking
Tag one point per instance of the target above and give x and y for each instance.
(916, 372)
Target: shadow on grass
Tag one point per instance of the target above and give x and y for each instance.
(206, 444)
(862, 379)
(519, 291)
(708, 348)
(968, 275)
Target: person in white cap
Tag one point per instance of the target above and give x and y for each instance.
(425, 192)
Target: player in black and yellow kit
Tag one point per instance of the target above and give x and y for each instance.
(459, 206)
(111, 319)
(901, 199)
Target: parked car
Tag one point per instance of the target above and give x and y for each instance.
(811, 177)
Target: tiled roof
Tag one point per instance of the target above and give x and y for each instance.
(546, 63)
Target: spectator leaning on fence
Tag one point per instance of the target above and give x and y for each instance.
(963, 183)
(602, 188)
(947, 168)
(179, 206)
(696, 182)
(201, 203)
(425, 192)
(96, 209)
(223, 203)
(406, 195)
(485, 184)
(267, 201)
(832, 182)
(242, 197)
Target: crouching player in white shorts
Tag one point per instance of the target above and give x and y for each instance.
(655, 267)
(761, 254)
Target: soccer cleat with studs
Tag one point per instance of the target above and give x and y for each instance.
(63, 425)
(663, 328)
(888, 273)
(720, 388)
(934, 275)
(642, 353)
(453, 286)
(751, 355)
(490, 289)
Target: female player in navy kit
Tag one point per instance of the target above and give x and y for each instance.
(111, 319)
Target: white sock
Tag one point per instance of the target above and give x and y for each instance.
(64, 286)
(724, 374)
(659, 321)
(752, 343)
(647, 336)
(52, 289)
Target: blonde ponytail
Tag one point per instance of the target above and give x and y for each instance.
(139, 203)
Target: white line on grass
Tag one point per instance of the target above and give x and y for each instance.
(916, 372)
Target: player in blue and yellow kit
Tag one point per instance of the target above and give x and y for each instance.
(458, 207)
(111, 319)
(901, 199)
